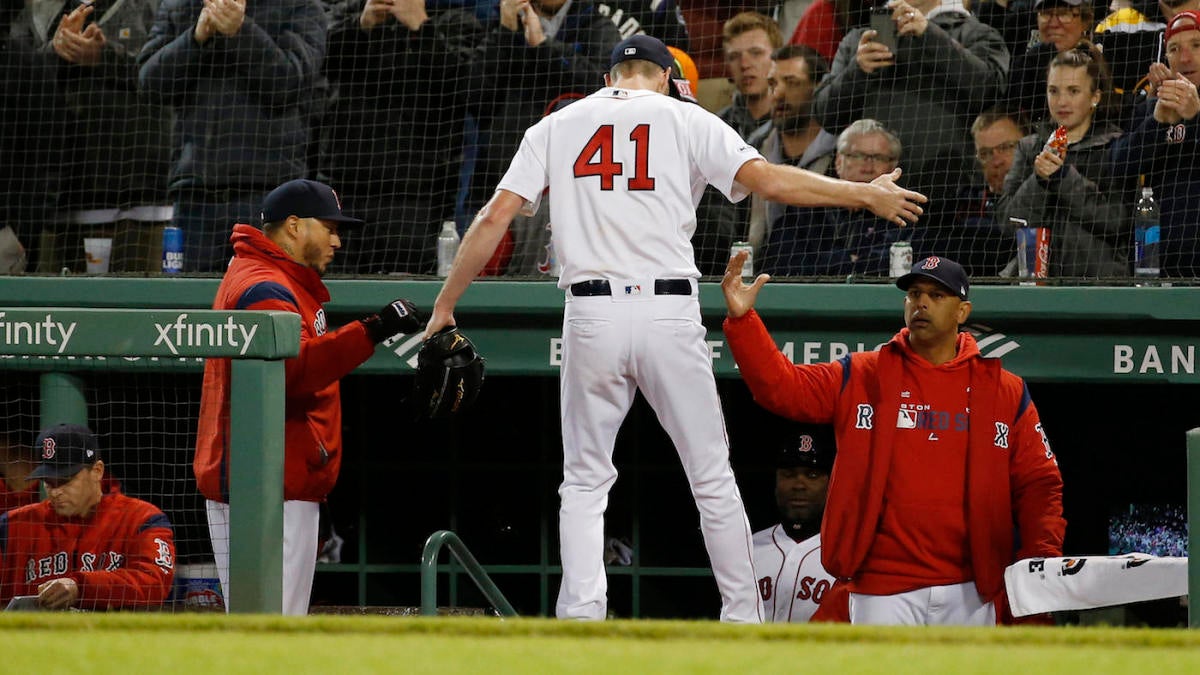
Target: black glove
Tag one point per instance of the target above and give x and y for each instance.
(449, 375)
(399, 316)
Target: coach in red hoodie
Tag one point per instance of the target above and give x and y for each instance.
(926, 511)
(86, 545)
(280, 268)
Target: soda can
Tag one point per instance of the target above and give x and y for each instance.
(1041, 268)
(172, 247)
(900, 259)
(748, 266)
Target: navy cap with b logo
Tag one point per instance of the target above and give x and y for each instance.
(942, 270)
(810, 446)
(64, 450)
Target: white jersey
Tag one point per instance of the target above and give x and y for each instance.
(791, 580)
(660, 150)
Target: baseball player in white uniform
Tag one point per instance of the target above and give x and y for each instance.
(626, 167)
(787, 556)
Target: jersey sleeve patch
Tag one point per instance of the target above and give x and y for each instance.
(266, 290)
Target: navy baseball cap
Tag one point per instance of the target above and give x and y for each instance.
(812, 447)
(1056, 3)
(646, 48)
(304, 199)
(64, 450)
(942, 270)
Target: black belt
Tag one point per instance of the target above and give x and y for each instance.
(591, 287)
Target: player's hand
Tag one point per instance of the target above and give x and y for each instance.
(204, 30)
(58, 594)
(894, 203)
(909, 20)
(740, 297)
(1047, 163)
(440, 319)
(411, 13)
(872, 55)
(397, 317)
(1179, 96)
(375, 13)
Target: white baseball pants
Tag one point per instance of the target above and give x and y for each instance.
(613, 345)
(952, 605)
(300, 522)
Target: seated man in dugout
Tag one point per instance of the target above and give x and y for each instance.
(83, 547)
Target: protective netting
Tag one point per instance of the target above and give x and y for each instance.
(123, 116)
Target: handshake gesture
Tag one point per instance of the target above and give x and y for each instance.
(396, 317)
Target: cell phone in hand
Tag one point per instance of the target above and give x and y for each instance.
(884, 27)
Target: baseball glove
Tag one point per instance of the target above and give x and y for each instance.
(449, 375)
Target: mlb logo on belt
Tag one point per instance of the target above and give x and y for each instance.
(633, 289)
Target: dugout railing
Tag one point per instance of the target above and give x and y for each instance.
(59, 341)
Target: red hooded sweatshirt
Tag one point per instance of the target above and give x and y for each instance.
(943, 473)
(263, 277)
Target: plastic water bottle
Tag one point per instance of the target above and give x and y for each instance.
(1146, 230)
(447, 248)
(748, 265)
(900, 258)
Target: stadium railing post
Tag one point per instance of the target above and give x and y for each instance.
(64, 400)
(256, 502)
(1193, 491)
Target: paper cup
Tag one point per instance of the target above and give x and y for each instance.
(97, 251)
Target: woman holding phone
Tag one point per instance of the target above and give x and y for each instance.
(1072, 191)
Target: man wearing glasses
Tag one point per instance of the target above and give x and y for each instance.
(835, 241)
(975, 239)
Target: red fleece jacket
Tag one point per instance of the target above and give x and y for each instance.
(263, 277)
(1011, 487)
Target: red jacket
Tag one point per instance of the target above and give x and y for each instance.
(263, 277)
(120, 556)
(883, 534)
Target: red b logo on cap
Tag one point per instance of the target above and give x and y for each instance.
(48, 447)
(931, 263)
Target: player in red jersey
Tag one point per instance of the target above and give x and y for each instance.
(84, 547)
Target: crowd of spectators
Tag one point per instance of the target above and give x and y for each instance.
(1157, 529)
(124, 116)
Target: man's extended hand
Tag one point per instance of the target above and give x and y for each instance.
(892, 202)
(740, 297)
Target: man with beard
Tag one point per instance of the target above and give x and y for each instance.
(279, 268)
(793, 136)
(793, 584)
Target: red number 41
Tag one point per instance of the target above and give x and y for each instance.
(596, 158)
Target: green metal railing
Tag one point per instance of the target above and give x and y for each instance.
(1193, 499)
(429, 557)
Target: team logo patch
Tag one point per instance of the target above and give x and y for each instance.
(806, 443)
(49, 447)
(931, 263)
(1176, 133)
(633, 289)
(630, 50)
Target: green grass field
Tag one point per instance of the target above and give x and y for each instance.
(164, 643)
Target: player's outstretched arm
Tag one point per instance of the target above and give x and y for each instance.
(799, 187)
(740, 297)
(476, 249)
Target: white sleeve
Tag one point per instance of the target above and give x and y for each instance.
(719, 152)
(527, 175)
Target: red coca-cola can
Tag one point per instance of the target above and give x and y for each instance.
(1041, 262)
